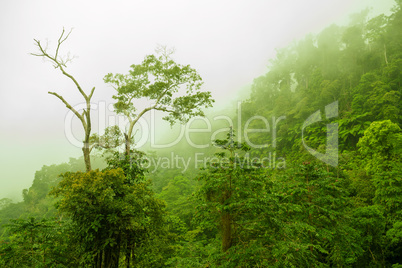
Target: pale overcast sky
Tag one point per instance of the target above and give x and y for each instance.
(228, 42)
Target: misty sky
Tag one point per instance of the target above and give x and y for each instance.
(228, 42)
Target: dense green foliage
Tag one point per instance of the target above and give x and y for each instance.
(242, 210)
(159, 79)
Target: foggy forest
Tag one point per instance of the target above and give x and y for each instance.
(301, 168)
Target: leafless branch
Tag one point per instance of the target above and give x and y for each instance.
(92, 92)
(61, 41)
(59, 63)
(164, 51)
(81, 117)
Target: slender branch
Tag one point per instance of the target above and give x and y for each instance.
(60, 64)
(60, 41)
(132, 123)
(92, 92)
(100, 145)
(92, 146)
(81, 117)
(126, 113)
(163, 93)
(164, 109)
(372, 255)
(75, 82)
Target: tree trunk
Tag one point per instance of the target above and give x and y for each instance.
(385, 55)
(87, 158)
(226, 231)
(128, 250)
(116, 253)
(127, 144)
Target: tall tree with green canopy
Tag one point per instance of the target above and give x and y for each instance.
(229, 188)
(159, 79)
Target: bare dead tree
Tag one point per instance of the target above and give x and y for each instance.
(61, 63)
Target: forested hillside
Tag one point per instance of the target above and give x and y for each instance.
(243, 208)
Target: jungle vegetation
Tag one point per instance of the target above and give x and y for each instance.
(261, 200)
